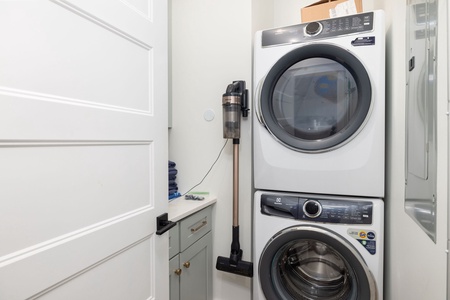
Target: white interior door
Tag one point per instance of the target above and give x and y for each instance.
(83, 149)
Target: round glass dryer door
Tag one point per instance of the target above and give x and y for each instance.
(307, 262)
(316, 98)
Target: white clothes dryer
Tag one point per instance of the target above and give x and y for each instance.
(317, 247)
(319, 107)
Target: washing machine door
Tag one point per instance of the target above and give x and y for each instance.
(315, 98)
(308, 262)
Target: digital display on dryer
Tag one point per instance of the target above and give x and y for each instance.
(299, 33)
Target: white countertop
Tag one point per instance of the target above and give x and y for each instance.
(180, 208)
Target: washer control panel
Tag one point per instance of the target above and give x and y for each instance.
(353, 24)
(317, 209)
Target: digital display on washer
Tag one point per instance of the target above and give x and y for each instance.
(337, 211)
(317, 210)
(318, 30)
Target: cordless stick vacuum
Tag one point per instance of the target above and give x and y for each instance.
(235, 102)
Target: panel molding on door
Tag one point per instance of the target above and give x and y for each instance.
(83, 146)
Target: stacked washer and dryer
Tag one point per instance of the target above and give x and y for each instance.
(319, 156)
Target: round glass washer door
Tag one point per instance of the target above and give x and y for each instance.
(308, 262)
(315, 98)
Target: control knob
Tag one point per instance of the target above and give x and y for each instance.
(312, 208)
(313, 28)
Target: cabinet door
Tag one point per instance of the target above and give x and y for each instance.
(174, 277)
(196, 265)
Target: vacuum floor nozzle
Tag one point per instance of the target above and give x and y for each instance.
(240, 267)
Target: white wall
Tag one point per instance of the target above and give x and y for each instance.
(415, 267)
(212, 46)
(287, 12)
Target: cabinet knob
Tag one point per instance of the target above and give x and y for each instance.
(178, 272)
(187, 264)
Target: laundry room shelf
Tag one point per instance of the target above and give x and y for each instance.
(180, 208)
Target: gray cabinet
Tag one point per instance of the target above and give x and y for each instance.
(190, 252)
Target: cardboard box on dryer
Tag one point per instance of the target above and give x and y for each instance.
(325, 9)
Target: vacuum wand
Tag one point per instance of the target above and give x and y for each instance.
(236, 183)
(236, 252)
(235, 103)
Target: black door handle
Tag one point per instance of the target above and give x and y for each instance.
(163, 224)
(412, 63)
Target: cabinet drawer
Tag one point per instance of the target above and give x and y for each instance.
(174, 241)
(194, 227)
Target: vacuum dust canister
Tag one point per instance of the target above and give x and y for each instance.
(231, 107)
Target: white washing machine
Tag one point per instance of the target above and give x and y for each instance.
(319, 105)
(317, 247)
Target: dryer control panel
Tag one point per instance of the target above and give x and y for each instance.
(317, 209)
(318, 30)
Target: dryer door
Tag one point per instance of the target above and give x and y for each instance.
(308, 262)
(315, 98)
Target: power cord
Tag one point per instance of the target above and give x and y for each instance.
(207, 173)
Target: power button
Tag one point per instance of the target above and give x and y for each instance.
(312, 208)
(313, 28)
